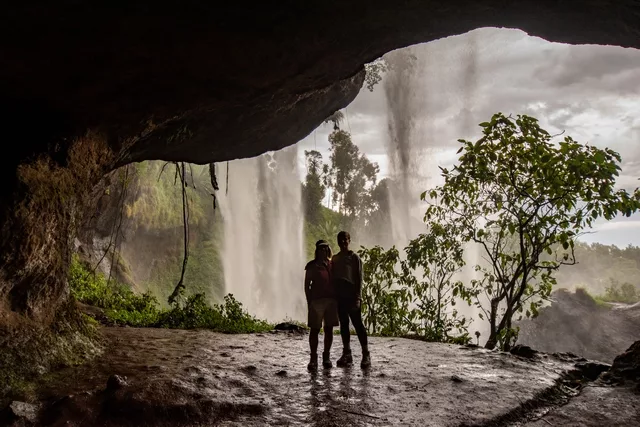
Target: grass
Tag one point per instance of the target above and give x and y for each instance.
(123, 307)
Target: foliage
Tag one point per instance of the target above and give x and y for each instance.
(196, 313)
(517, 195)
(438, 254)
(204, 272)
(313, 189)
(336, 118)
(414, 296)
(385, 298)
(124, 307)
(625, 292)
(331, 222)
(600, 264)
(154, 213)
(374, 71)
(158, 203)
(351, 176)
(93, 289)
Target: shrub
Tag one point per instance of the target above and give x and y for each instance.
(124, 307)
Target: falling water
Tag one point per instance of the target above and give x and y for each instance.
(263, 256)
(405, 147)
(411, 147)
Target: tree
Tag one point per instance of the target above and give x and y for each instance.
(385, 297)
(517, 195)
(374, 71)
(379, 225)
(351, 174)
(438, 255)
(625, 292)
(396, 302)
(314, 189)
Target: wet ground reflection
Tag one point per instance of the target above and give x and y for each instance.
(256, 380)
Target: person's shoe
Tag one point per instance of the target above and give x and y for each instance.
(345, 360)
(313, 363)
(326, 361)
(366, 360)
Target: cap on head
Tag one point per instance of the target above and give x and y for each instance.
(321, 243)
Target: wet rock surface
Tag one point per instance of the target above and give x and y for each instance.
(596, 406)
(177, 377)
(626, 366)
(19, 414)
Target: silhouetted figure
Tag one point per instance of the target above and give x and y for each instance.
(321, 302)
(346, 273)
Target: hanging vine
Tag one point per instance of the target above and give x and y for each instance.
(115, 228)
(179, 289)
(227, 189)
(214, 184)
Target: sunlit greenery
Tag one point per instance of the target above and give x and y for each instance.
(122, 306)
(415, 295)
(621, 292)
(517, 194)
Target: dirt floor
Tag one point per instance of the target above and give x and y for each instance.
(201, 378)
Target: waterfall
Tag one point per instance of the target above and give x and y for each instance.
(411, 148)
(405, 145)
(263, 256)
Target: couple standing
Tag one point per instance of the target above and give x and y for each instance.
(333, 287)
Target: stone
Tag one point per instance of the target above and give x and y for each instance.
(116, 382)
(626, 366)
(592, 370)
(291, 327)
(523, 351)
(24, 411)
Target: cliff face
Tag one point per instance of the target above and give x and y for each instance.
(87, 87)
(575, 323)
(134, 232)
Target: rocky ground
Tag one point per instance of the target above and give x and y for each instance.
(198, 378)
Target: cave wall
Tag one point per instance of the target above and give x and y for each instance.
(195, 81)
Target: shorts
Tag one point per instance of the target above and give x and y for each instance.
(323, 310)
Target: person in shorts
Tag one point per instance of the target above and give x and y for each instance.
(321, 302)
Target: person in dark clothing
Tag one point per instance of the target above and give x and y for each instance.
(346, 273)
(321, 302)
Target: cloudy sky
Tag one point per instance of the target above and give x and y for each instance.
(590, 92)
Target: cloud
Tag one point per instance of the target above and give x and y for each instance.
(590, 92)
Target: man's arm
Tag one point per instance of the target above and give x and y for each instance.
(358, 278)
(307, 285)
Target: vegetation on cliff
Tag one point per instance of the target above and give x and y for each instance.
(122, 306)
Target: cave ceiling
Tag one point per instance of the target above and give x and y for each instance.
(201, 81)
